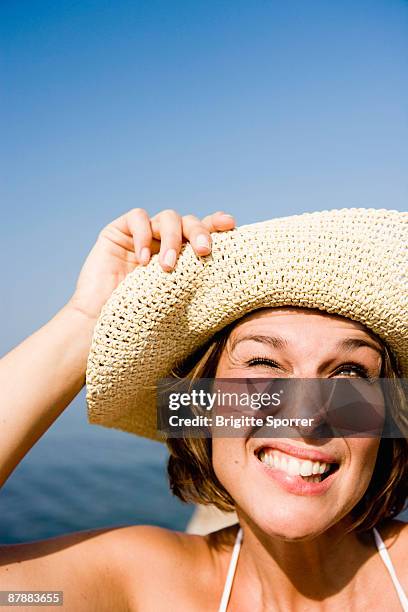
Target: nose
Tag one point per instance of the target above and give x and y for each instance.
(308, 400)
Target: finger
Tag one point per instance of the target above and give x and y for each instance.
(197, 234)
(138, 222)
(170, 229)
(219, 222)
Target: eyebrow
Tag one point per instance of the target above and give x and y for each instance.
(277, 342)
(354, 343)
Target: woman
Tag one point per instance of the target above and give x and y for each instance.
(305, 545)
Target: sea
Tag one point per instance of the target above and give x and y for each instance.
(80, 476)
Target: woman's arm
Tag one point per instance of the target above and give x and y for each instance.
(41, 376)
(38, 379)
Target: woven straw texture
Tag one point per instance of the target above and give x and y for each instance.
(352, 262)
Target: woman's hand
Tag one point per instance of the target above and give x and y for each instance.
(130, 240)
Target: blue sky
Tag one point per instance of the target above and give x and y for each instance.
(261, 108)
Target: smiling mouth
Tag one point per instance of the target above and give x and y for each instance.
(307, 469)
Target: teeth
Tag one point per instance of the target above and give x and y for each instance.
(293, 466)
(306, 468)
(311, 471)
(312, 478)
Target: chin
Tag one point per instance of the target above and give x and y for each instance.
(287, 525)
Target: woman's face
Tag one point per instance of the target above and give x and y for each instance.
(263, 474)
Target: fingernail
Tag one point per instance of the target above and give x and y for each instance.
(227, 215)
(144, 255)
(202, 241)
(170, 258)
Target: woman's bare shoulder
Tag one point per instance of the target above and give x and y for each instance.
(174, 566)
(169, 548)
(395, 536)
(126, 567)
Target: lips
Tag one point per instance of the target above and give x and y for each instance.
(298, 451)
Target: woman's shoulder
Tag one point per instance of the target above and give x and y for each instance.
(176, 567)
(125, 567)
(169, 548)
(394, 534)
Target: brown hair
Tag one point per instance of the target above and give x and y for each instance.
(192, 477)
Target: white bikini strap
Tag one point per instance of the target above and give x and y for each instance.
(382, 549)
(231, 572)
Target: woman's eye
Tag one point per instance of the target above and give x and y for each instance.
(262, 361)
(353, 370)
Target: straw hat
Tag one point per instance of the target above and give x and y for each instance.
(352, 262)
